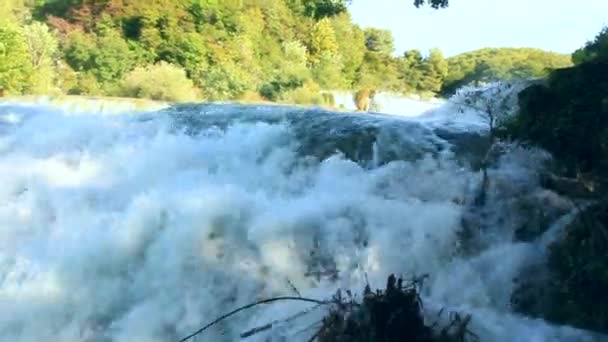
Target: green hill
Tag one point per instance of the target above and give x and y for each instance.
(492, 64)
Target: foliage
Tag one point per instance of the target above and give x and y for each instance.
(324, 8)
(379, 40)
(228, 49)
(351, 46)
(162, 81)
(327, 71)
(433, 3)
(323, 39)
(500, 64)
(596, 49)
(410, 70)
(15, 62)
(43, 48)
(308, 93)
(13, 11)
(434, 71)
(392, 314)
(569, 117)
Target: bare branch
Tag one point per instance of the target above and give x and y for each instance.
(249, 306)
(265, 327)
(294, 288)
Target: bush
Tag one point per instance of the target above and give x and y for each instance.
(362, 98)
(394, 314)
(569, 117)
(274, 90)
(86, 84)
(161, 81)
(251, 97)
(308, 94)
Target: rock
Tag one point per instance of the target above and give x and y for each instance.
(573, 290)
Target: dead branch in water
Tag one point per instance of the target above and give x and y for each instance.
(390, 315)
(249, 306)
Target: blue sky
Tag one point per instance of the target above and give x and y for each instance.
(556, 25)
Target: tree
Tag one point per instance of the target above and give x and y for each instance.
(43, 48)
(502, 64)
(596, 49)
(78, 50)
(13, 11)
(379, 41)
(112, 59)
(15, 61)
(434, 71)
(319, 9)
(107, 57)
(379, 72)
(433, 3)
(324, 57)
(290, 75)
(351, 46)
(322, 39)
(410, 70)
(327, 71)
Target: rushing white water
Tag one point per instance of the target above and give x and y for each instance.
(143, 227)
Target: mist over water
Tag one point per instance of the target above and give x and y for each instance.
(145, 226)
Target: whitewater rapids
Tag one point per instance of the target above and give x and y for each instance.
(145, 226)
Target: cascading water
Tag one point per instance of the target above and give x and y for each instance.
(145, 226)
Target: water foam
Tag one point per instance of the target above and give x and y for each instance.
(125, 228)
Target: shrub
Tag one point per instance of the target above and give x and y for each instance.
(161, 81)
(309, 93)
(362, 98)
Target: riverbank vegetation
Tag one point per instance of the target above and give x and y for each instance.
(567, 115)
(279, 50)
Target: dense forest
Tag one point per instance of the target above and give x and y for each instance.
(276, 50)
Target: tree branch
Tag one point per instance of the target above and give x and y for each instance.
(249, 306)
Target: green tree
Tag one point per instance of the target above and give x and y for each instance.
(290, 75)
(107, 57)
(319, 9)
(434, 71)
(327, 71)
(379, 72)
(13, 11)
(502, 64)
(15, 61)
(596, 49)
(351, 46)
(411, 70)
(379, 40)
(323, 39)
(43, 48)
(433, 3)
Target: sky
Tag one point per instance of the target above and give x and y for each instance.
(555, 25)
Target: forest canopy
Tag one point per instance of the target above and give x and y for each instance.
(275, 50)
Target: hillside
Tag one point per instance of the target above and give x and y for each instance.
(281, 51)
(501, 64)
